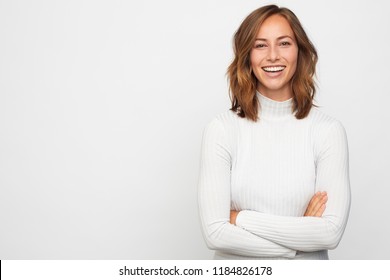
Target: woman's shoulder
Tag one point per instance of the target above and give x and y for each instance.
(317, 116)
(324, 123)
(225, 124)
(226, 118)
(222, 128)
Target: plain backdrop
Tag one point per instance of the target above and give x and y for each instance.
(103, 105)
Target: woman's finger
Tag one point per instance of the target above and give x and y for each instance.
(316, 199)
(320, 211)
(312, 203)
(315, 204)
(321, 201)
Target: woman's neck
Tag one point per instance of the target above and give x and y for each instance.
(282, 94)
(272, 109)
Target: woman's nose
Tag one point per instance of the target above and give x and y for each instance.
(273, 53)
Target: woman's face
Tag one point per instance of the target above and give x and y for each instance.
(274, 58)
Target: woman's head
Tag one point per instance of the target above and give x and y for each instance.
(271, 39)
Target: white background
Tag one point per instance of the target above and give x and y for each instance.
(103, 105)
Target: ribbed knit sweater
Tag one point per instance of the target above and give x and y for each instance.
(269, 170)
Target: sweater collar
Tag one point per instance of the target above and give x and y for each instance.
(272, 109)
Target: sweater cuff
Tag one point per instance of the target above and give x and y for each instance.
(250, 220)
(242, 219)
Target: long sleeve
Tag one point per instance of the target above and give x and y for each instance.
(214, 199)
(312, 233)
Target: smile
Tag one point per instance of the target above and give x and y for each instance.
(273, 69)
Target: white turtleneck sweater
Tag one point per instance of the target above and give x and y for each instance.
(269, 170)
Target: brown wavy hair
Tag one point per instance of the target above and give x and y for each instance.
(242, 81)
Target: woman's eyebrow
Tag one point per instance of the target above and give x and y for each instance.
(284, 37)
(279, 38)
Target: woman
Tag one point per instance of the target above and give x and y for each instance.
(274, 179)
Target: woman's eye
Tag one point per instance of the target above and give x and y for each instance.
(260, 46)
(285, 43)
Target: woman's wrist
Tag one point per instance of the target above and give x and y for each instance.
(233, 216)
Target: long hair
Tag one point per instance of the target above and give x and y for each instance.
(243, 82)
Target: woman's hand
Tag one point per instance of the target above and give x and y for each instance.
(315, 208)
(233, 216)
(317, 205)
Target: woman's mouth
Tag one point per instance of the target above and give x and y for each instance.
(273, 69)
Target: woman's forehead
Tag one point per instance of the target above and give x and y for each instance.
(274, 27)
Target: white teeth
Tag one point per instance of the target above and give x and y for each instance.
(274, 69)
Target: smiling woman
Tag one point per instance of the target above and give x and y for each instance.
(274, 176)
(274, 58)
(269, 37)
